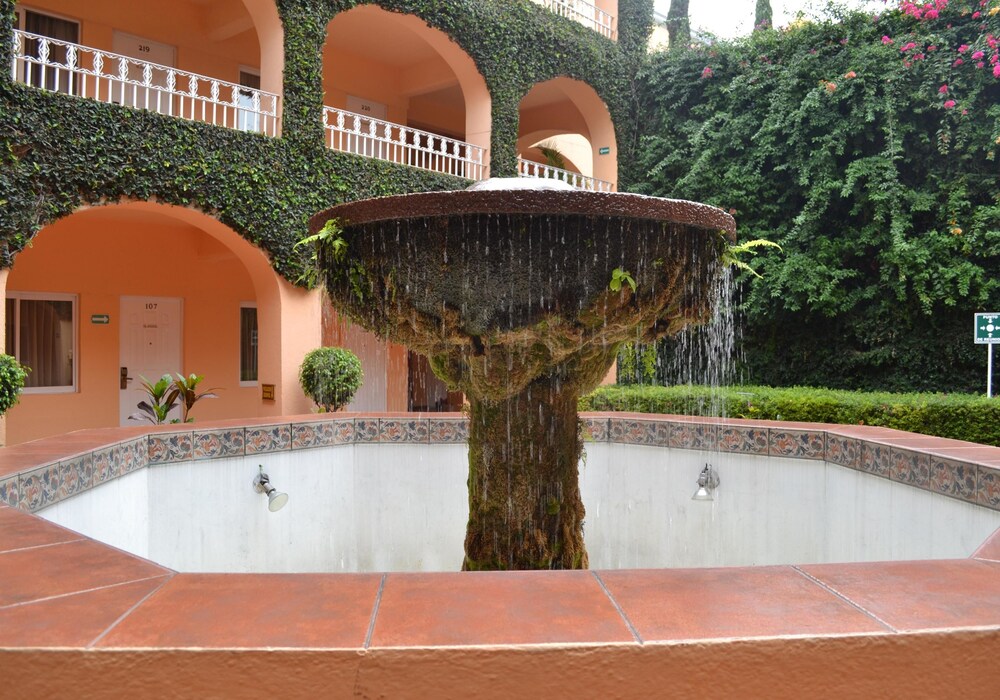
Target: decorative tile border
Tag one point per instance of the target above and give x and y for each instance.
(802, 444)
(403, 430)
(909, 467)
(212, 444)
(45, 485)
(268, 438)
(743, 440)
(170, 447)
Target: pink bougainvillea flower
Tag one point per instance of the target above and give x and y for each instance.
(931, 14)
(908, 46)
(957, 63)
(976, 15)
(948, 104)
(963, 48)
(943, 90)
(930, 48)
(831, 87)
(977, 55)
(996, 71)
(850, 74)
(886, 40)
(707, 73)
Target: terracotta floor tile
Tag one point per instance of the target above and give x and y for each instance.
(483, 608)
(32, 574)
(253, 610)
(19, 530)
(913, 595)
(671, 604)
(73, 620)
(990, 548)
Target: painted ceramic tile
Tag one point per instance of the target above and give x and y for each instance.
(343, 431)
(366, 429)
(78, 473)
(268, 438)
(875, 459)
(804, 444)
(988, 485)
(595, 429)
(843, 450)
(41, 487)
(306, 435)
(403, 430)
(694, 436)
(448, 430)
(218, 443)
(953, 478)
(909, 467)
(133, 455)
(107, 464)
(743, 440)
(627, 431)
(170, 447)
(9, 490)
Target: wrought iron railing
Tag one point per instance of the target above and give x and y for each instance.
(528, 168)
(376, 138)
(52, 64)
(585, 13)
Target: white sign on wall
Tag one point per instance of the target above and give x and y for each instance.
(369, 108)
(143, 49)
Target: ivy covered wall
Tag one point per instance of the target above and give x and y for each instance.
(58, 153)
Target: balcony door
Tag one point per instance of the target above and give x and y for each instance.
(47, 68)
(146, 87)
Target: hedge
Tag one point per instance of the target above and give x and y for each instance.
(959, 416)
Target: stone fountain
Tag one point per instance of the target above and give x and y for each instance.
(521, 292)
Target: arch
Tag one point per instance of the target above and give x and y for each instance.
(568, 106)
(270, 36)
(421, 76)
(148, 249)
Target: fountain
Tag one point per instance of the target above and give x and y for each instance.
(521, 292)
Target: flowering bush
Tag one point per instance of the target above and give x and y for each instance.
(869, 152)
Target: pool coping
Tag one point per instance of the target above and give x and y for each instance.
(62, 593)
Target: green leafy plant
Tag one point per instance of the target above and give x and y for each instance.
(732, 255)
(330, 377)
(329, 238)
(161, 399)
(187, 393)
(618, 277)
(12, 377)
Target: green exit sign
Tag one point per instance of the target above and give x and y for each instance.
(100, 319)
(604, 150)
(987, 328)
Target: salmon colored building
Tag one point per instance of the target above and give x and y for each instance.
(125, 287)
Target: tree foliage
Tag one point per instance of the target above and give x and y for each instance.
(866, 147)
(763, 15)
(679, 23)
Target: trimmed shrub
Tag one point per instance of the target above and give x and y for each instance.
(959, 416)
(12, 376)
(330, 377)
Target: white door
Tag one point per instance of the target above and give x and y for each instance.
(147, 77)
(151, 346)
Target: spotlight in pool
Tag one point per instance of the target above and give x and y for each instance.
(708, 481)
(261, 483)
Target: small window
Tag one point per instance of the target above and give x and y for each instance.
(41, 334)
(248, 344)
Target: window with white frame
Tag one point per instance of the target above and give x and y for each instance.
(248, 344)
(41, 334)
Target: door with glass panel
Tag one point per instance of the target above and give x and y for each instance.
(46, 51)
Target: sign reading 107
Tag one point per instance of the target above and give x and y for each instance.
(987, 328)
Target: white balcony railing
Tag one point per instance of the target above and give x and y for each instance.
(585, 13)
(61, 66)
(528, 168)
(375, 138)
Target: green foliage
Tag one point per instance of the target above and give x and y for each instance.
(679, 24)
(187, 393)
(733, 254)
(958, 416)
(330, 377)
(619, 276)
(763, 15)
(884, 199)
(12, 377)
(161, 399)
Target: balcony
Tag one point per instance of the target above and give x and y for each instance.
(586, 14)
(61, 66)
(375, 138)
(527, 168)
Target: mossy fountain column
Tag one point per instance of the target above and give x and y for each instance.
(521, 299)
